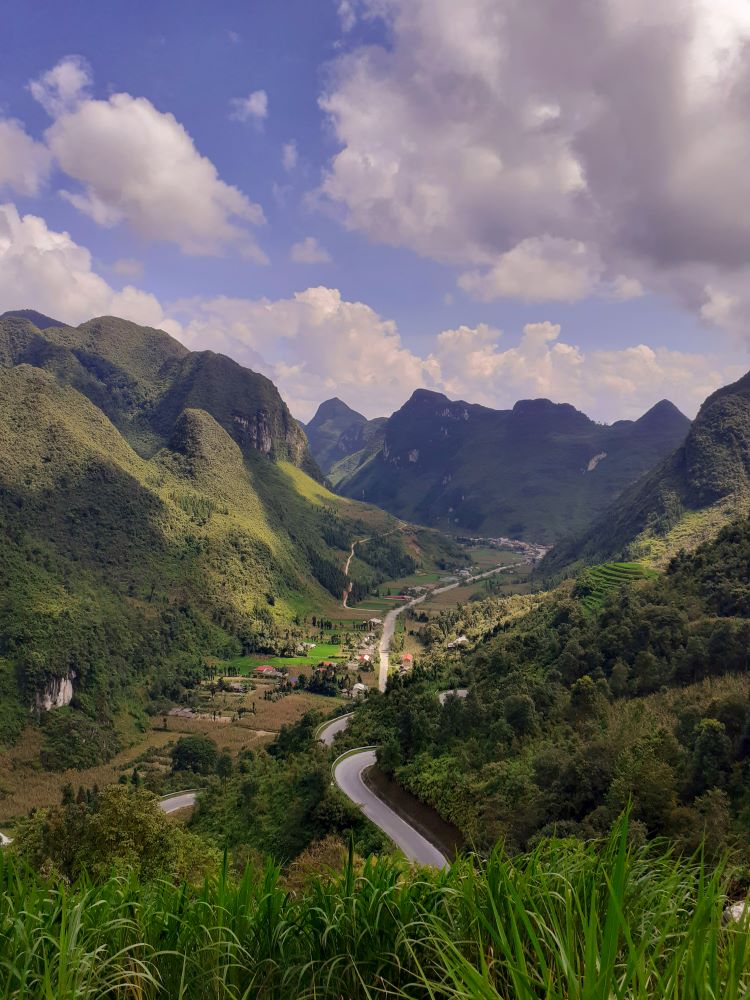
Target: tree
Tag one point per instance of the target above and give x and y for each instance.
(520, 714)
(194, 753)
(224, 767)
(124, 829)
(711, 756)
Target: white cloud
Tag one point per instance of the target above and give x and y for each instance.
(140, 166)
(24, 163)
(347, 15)
(254, 107)
(316, 344)
(63, 87)
(309, 251)
(607, 385)
(482, 127)
(624, 288)
(46, 270)
(289, 156)
(128, 267)
(539, 269)
(313, 345)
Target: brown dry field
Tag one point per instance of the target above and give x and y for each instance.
(24, 785)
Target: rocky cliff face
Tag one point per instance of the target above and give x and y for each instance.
(57, 693)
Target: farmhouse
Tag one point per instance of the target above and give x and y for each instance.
(359, 690)
(267, 671)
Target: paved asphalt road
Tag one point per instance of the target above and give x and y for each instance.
(348, 776)
(328, 731)
(389, 622)
(175, 802)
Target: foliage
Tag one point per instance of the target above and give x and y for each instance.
(120, 828)
(196, 753)
(575, 710)
(563, 922)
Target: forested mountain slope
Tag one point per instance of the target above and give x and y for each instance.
(685, 499)
(341, 439)
(537, 471)
(143, 528)
(574, 710)
(143, 379)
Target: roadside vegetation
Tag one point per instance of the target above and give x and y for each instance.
(565, 921)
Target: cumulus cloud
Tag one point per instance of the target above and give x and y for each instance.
(289, 156)
(313, 345)
(46, 270)
(309, 251)
(607, 385)
(24, 163)
(139, 165)
(618, 126)
(63, 87)
(254, 107)
(539, 269)
(316, 344)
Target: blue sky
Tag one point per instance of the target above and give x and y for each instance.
(451, 192)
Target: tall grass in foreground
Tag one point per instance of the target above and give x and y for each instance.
(566, 921)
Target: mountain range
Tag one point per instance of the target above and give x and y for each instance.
(155, 508)
(537, 471)
(685, 499)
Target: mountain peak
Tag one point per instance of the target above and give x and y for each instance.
(335, 409)
(663, 413)
(40, 321)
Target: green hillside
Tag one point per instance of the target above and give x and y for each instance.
(628, 686)
(341, 439)
(125, 565)
(684, 500)
(536, 472)
(595, 583)
(143, 379)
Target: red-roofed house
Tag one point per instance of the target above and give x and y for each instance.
(407, 659)
(267, 671)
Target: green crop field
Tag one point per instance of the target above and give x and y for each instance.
(597, 581)
(322, 651)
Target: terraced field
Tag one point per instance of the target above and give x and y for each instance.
(597, 581)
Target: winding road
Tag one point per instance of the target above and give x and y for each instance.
(389, 622)
(182, 800)
(348, 773)
(348, 770)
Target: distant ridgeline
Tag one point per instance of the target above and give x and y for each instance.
(696, 489)
(537, 471)
(156, 506)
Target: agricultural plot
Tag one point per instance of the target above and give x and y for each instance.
(596, 582)
(245, 665)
